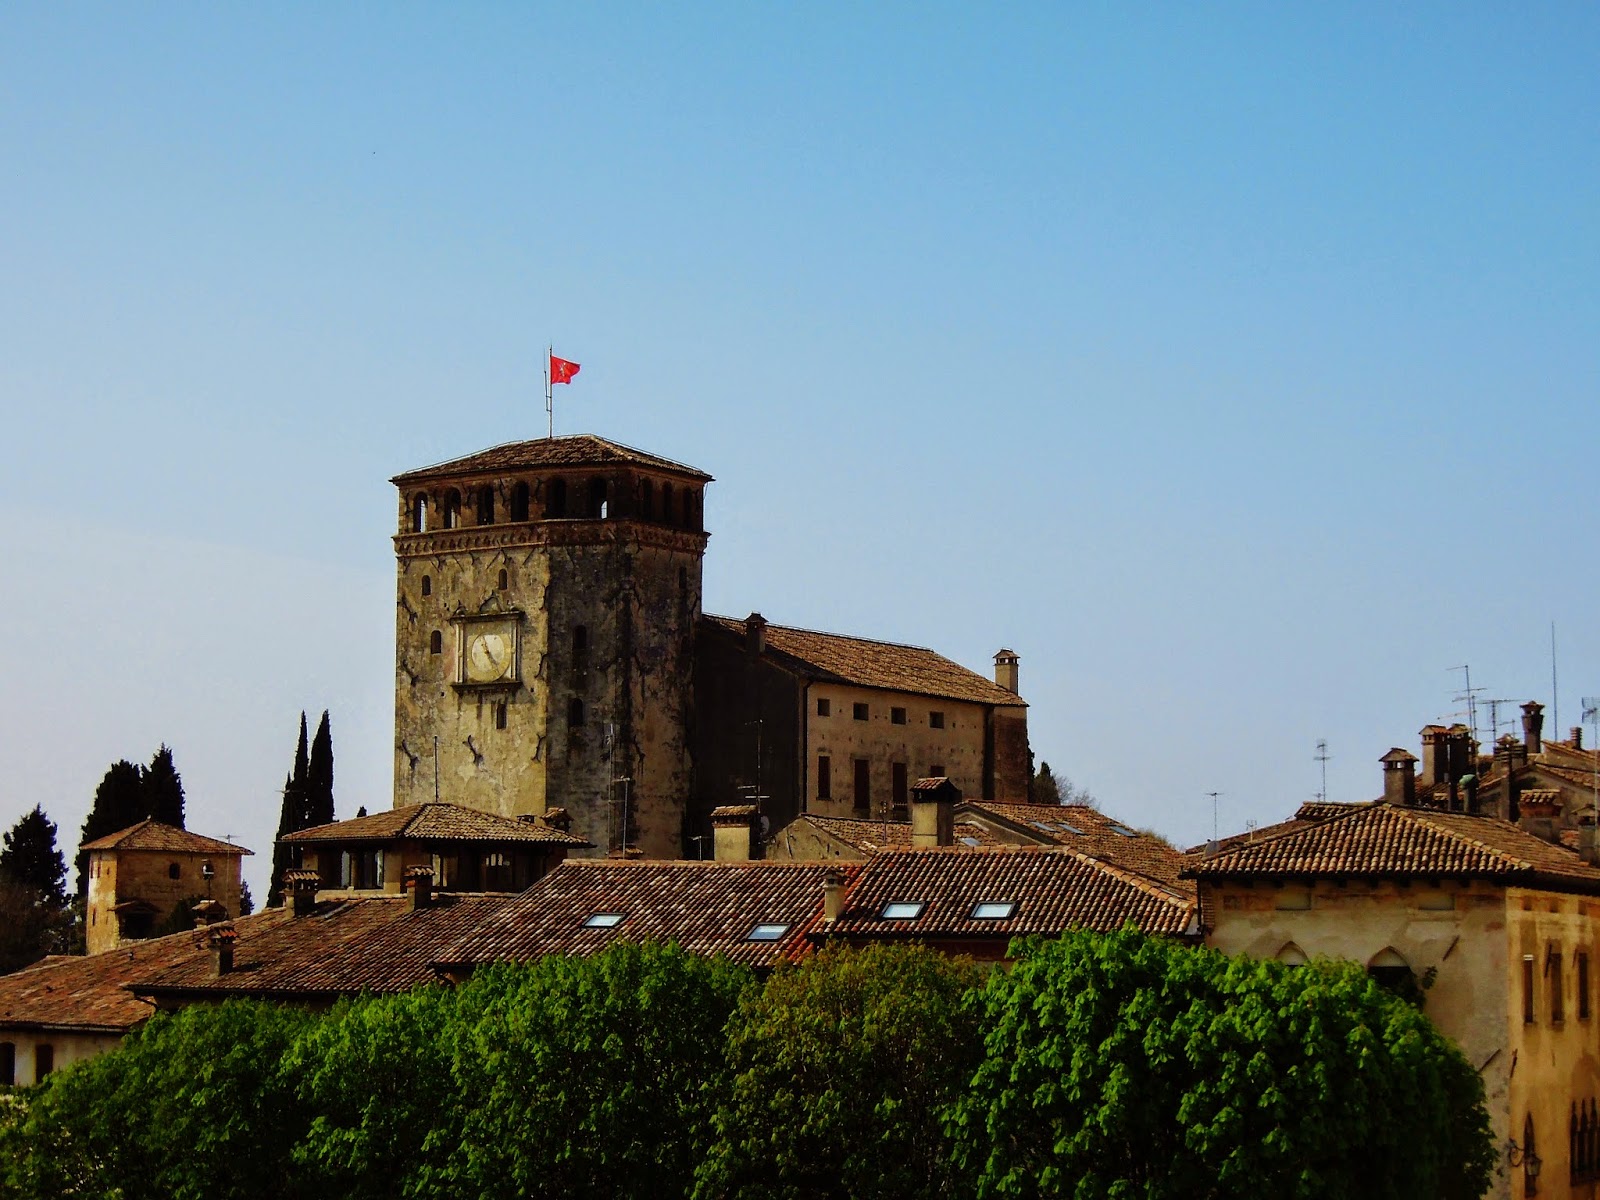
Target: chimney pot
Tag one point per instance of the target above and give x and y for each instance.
(302, 885)
(734, 832)
(1533, 726)
(755, 634)
(1006, 670)
(419, 887)
(1399, 778)
(221, 939)
(558, 819)
(933, 812)
(833, 894)
(1577, 737)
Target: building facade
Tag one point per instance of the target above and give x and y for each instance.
(546, 599)
(139, 876)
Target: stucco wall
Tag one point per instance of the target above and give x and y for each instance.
(120, 875)
(69, 1048)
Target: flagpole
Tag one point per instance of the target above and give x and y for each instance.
(549, 393)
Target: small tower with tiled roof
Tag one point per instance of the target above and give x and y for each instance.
(141, 876)
(546, 599)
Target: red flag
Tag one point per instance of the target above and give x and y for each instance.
(562, 371)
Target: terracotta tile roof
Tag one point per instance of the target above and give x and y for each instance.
(862, 662)
(870, 837)
(1088, 831)
(706, 907)
(153, 835)
(576, 450)
(1053, 889)
(1389, 842)
(343, 947)
(435, 822)
(1322, 810)
(86, 993)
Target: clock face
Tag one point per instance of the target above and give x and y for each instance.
(490, 656)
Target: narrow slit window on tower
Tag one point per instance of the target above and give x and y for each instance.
(575, 713)
(427, 585)
(436, 642)
(504, 579)
(824, 777)
(1557, 998)
(486, 504)
(647, 500)
(419, 514)
(1528, 1015)
(580, 638)
(1582, 965)
(452, 509)
(519, 502)
(556, 499)
(500, 715)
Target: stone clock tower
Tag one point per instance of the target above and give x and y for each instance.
(547, 594)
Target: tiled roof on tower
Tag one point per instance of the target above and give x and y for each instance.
(575, 450)
(153, 835)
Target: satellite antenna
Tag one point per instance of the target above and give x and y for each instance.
(1322, 757)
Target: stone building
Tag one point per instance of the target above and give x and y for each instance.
(1499, 926)
(550, 652)
(140, 875)
(546, 599)
(818, 723)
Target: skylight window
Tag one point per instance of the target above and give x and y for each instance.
(1065, 828)
(993, 910)
(970, 841)
(902, 910)
(1042, 826)
(767, 933)
(1122, 829)
(603, 921)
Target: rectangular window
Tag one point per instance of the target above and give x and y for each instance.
(993, 910)
(863, 790)
(897, 716)
(824, 777)
(1557, 999)
(772, 932)
(1527, 989)
(900, 793)
(860, 712)
(603, 921)
(902, 910)
(1583, 985)
(936, 720)
(936, 771)
(8, 1064)
(44, 1061)
(824, 707)
(500, 715)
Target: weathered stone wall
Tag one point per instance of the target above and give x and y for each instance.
(116, 876)
(605, 611)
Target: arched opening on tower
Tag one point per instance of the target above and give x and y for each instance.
(597, 506)
(555, 499)
(419, 513)
(486, 504)
(451, 509)
(519, 502)
(647, 500)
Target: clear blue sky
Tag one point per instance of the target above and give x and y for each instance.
(1236, 364)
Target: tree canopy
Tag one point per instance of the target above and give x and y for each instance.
(307, 799)
(29, 855)
(127, 795)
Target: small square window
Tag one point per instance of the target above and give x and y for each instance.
(860, 712)
(603, 921)
(994, 910)
(824, 707)
(767, 933)
(936, 720)
(897, 716)
(902, 910)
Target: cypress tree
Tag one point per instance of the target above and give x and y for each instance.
(30, 857)
(292, 816)
(163, 789)
(319, 777)
(118, 803)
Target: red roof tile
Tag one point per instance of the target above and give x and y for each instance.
(576, 450)
(1088, 831)
(706, 907)
(862, 662)
(153, 835)
(1390, 842)
(435, 822)
(86, 993)
(1053, 890)
(872, 836)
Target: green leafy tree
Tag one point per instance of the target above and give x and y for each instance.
(319, 777)
(1123, 1065)
(193, 1106)
(163, 789)
(592, 1077)
(842, 1069)
(1042, 788)
(291, 817)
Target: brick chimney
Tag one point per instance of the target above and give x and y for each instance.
(755, 634)
(734, 829)
(834, 890)
(302, 886)
(1005, 670)
(558, 819)
(209, 912)
(1433, 757)
(1533, 726)
(1577, 737)
(221, 939)
(1399, 778)
(933, 812)
(419, 887)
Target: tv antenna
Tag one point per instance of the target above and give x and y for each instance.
(1470, 695)
(1494, 717)
(1591, 713)
(1322, 757)
(1214, 796)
